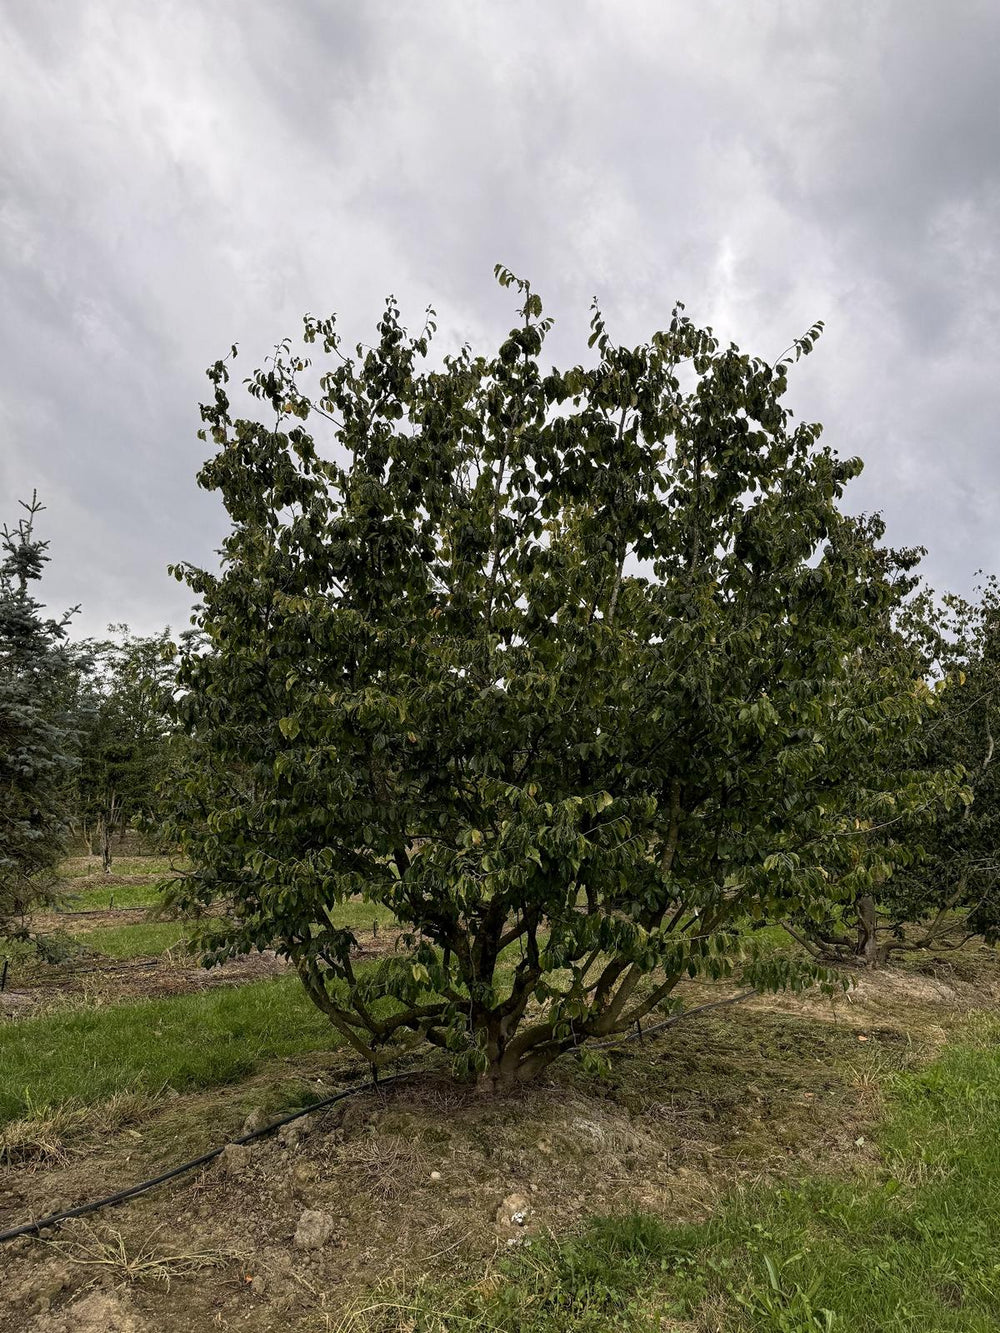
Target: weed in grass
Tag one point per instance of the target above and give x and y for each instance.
(783, 1306)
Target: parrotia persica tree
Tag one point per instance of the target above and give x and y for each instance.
(38, 749)
(559, 665)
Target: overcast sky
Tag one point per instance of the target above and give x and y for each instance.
(179, 175)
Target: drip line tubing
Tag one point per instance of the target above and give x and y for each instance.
(34, 1228)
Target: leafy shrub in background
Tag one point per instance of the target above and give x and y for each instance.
(127, 742)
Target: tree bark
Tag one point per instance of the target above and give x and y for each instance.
(867, 935)
(107, 832)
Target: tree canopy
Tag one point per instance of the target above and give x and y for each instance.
(563, 666)
(948, 890)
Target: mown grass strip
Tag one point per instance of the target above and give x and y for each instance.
(141, 940)
(184, 1041)
(104, 896)
(89, 867)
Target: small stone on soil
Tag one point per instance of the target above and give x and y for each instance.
(235, 1159)
(512, 1216)
(314, 1229)
(254, 1122)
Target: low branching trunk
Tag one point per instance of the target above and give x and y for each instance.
(873, 943)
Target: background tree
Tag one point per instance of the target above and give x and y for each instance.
(557, 665)
(946, 890)
(961, 872)
(126, 740)
(38, 742)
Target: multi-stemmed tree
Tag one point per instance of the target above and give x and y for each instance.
(560, 665)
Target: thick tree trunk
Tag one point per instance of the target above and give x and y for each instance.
(515, 1058)
(106, 847)
(867, 933)
(506, 1074)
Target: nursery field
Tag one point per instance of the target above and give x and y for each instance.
(787, 1163)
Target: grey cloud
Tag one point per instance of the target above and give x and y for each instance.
(176, 178)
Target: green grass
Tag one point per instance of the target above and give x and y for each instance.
(911, 1245)
(186, 1041)
(80, 867)
(771, 939)
(140, 937)
(361, 915)
(138, 940)
(101, 897)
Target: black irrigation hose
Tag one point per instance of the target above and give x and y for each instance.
(47, 983)
(33, 1228)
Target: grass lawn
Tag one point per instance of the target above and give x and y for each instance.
(89, 867)
(184, 1041)
(910, 1245)
(361, 916)
(103, 896)
(99, 897)
(140, 940)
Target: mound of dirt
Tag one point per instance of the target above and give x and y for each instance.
(97, 1312)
